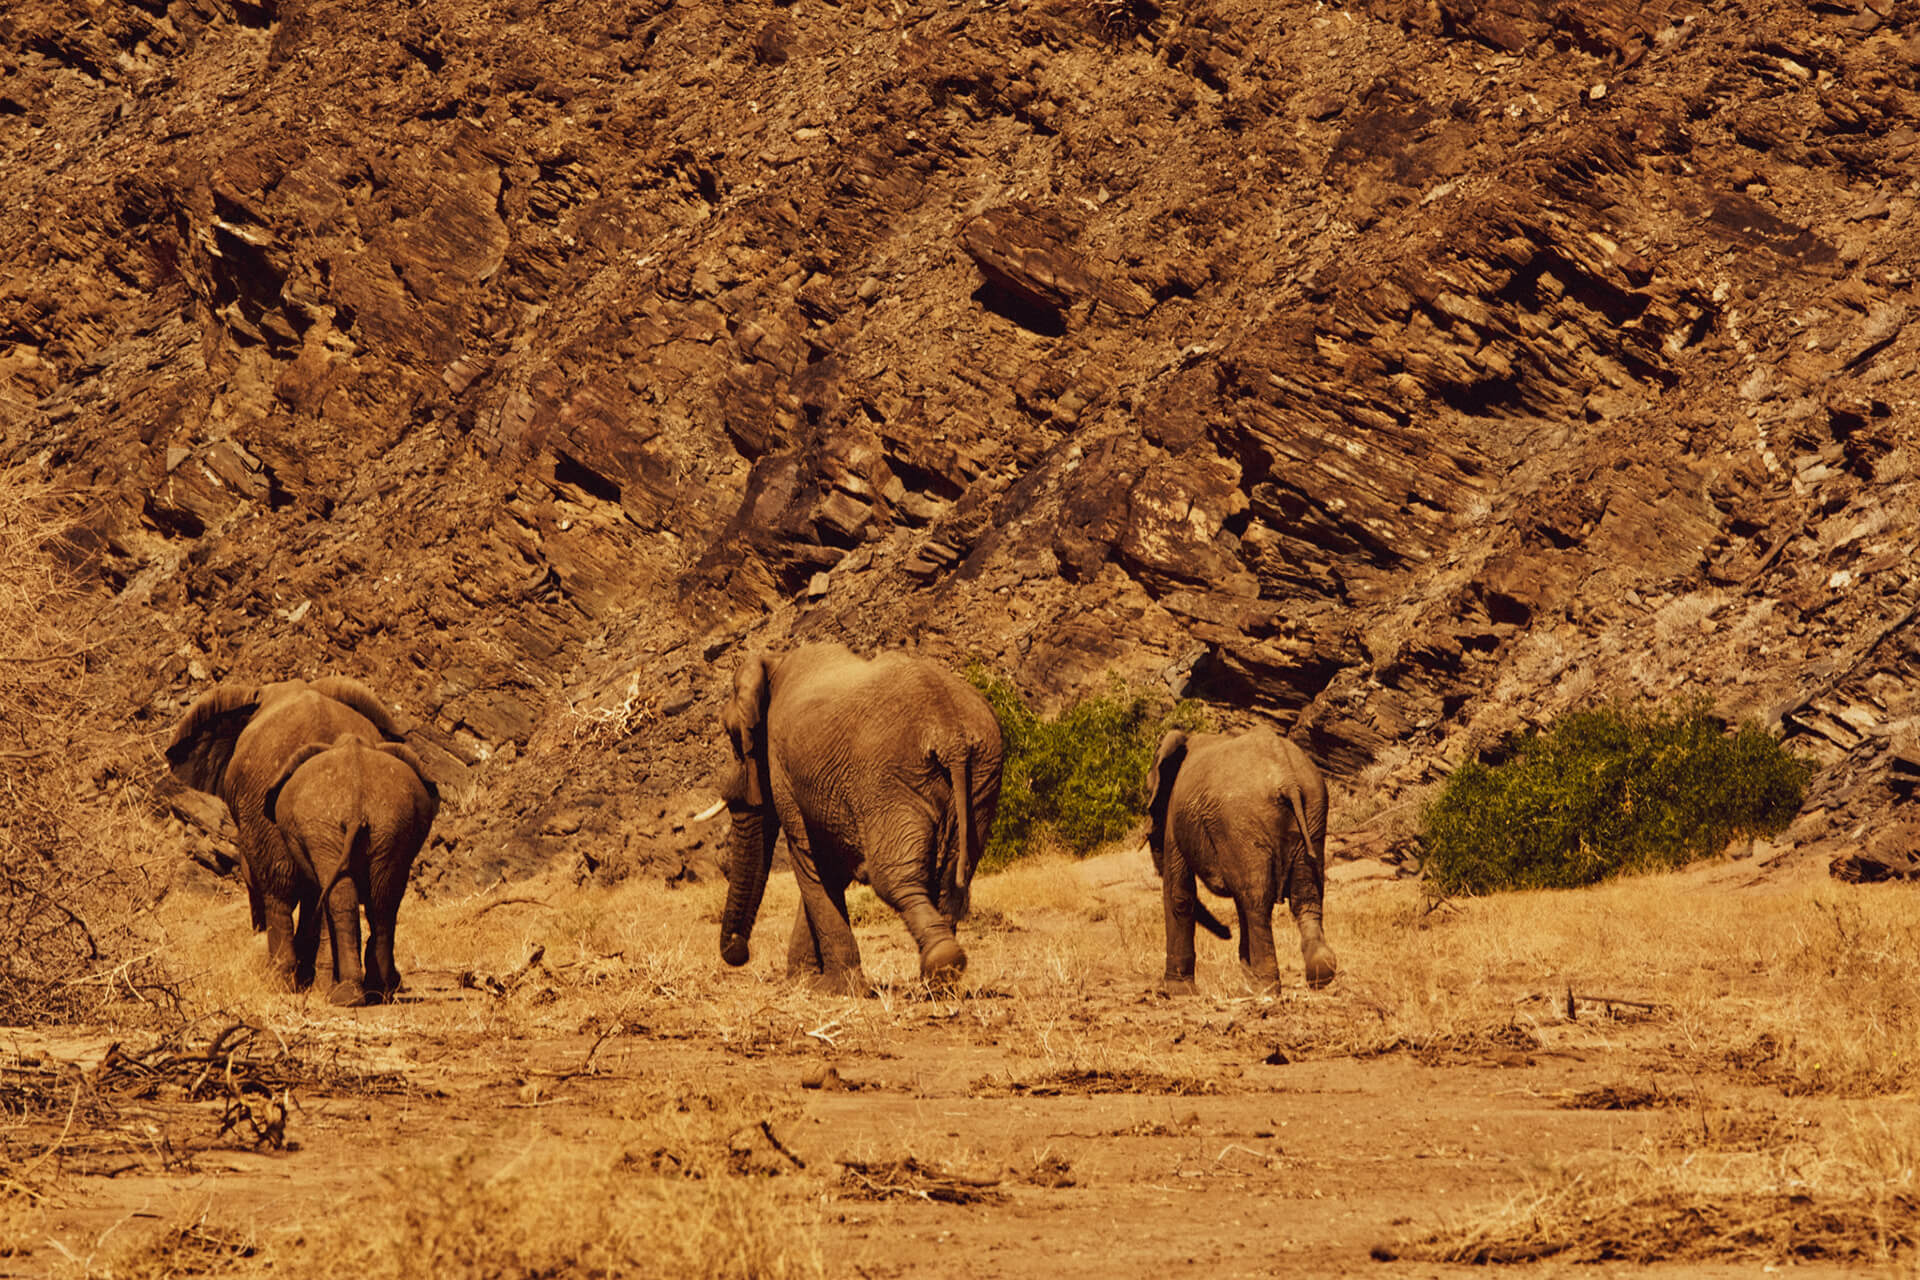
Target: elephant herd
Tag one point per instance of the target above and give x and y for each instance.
(885, 770)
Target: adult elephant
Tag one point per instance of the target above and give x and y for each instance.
(354, 815)
(1246, 815)
(234, 742)
(889, 769)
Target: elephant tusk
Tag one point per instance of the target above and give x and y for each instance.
(710, 810)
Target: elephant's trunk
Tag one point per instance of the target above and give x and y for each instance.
(749, 860)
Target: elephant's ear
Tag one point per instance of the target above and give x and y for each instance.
(402, 752)
(201, 746)
(746, 723)
(287, 771)
(1166, 768)
(351, 693)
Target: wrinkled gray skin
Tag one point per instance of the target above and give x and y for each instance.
(888, 770)
(234, 742)
(354, 815)
(1245, 815)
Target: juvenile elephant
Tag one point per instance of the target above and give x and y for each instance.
(888, 768)
(354, 815)
(1246, 814)
(234, 742)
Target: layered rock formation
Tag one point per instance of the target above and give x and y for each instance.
(1402, 375)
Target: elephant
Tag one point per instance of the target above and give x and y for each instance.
(1245, 814)
(354, 815)
(886, 768)
(234, 742)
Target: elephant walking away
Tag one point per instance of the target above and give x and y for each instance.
(1245, 815)
(888, 768)
(234, 742)
(354, 815)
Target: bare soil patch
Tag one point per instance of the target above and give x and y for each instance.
(1429, 1109)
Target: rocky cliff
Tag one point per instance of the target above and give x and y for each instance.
(1401, 373)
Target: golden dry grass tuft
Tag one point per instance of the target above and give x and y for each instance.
(20, 1216)
(536, 1213)
(1851, 1200)
(553, 1213)
(189, 1247)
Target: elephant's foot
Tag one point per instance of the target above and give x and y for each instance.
(1321, 966)
(1263, 984)
(1178, 987)
(347, 994)
(943, 962)
(837, 982)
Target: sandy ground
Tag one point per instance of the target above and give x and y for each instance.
(1053, 1132)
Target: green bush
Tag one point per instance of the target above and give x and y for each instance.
(1079, 779)
(1608, 791)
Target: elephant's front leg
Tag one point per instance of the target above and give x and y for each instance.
(1256, 944)
(804, 962)
(830, 956)
(1177, 902)
(306, 936)
(278, 912)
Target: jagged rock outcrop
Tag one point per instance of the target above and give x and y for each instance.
(1401, 375)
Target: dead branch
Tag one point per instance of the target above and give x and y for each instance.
(508, 902)
(1650, 1006)
(65, 1130)
(766, 1129)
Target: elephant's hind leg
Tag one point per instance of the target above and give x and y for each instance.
(942, 959)
(1305, 893)
(342, 905)
(1256, 944)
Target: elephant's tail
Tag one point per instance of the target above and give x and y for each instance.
(969, 842)
(359, 846)
(1208, 921)
(1306, 841)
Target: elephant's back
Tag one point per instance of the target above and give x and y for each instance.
(354, 782)
(1226, 792)
(300, 719)
(1243, 766)
(859, 742)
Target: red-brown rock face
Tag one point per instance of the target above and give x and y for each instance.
(1403, 374)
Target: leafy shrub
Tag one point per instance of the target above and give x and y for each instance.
(1080, 778)
(1608, 791)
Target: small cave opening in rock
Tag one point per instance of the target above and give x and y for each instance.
(569, 470)
(1025, 312)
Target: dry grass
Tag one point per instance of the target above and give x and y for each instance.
(1854, 1198)
(20, 1220)
(1810, 987)
(1801, 987)
(536, 1213)
(76, 847)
